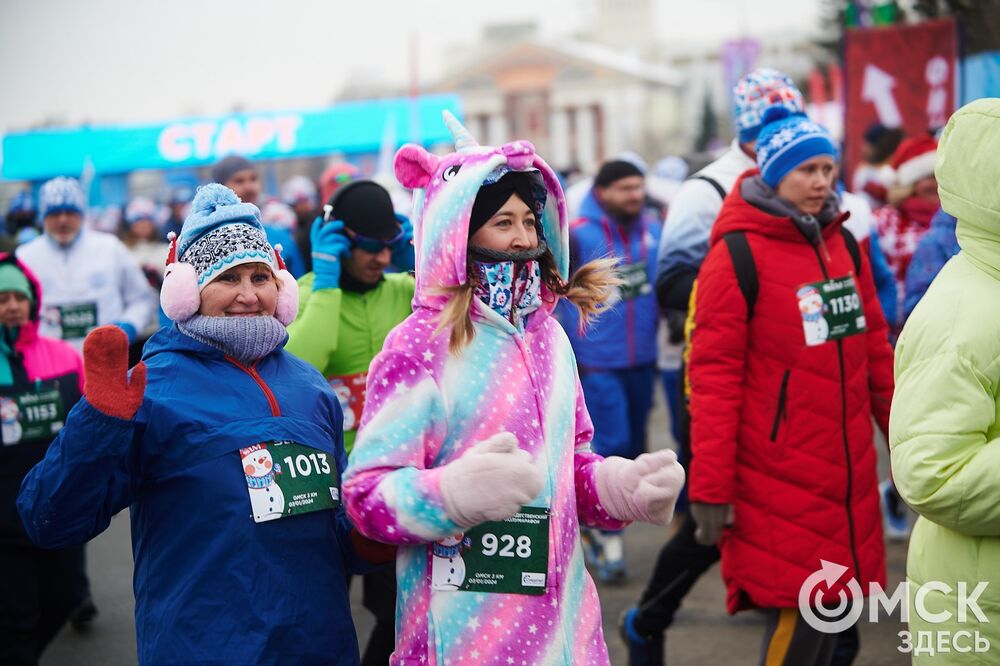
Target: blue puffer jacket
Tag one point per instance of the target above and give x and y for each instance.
(937, 246)
(211, 585)
(625, 335)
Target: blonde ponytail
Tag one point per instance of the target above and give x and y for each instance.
(457, 315)
(589, 288)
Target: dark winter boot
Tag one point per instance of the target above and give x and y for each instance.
(642, 650)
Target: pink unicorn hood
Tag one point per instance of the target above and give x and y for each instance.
(445, 189)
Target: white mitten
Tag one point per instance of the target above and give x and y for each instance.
(492, 481)
(643, 489)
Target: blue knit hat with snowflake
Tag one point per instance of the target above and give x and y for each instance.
(222, 232)
(786, 141)
(758, 91)
(61, 194)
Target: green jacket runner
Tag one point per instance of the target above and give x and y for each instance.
(339, 333)
(945, 423)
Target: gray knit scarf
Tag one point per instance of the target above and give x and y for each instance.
(247, 339)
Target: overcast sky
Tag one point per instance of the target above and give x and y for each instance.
(109, 61)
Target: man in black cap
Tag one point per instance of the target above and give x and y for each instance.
(347, 306)
(617, 354)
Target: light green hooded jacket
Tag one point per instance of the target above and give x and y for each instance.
(944, 429)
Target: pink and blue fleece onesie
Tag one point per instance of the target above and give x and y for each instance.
(426, 407)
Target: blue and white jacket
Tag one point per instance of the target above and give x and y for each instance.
(624, 336)
(211, 585)
(690, 217)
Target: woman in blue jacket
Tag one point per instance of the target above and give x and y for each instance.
(227, 449)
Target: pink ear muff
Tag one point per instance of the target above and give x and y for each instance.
(179, 295)
(287, 306)
(288, 298)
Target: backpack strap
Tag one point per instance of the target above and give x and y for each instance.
(746, 269)
(744, 266)
(853, 249)
(714, 183)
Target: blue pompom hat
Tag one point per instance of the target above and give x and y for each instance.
(222, 232)
(758, 91)
(61, 194)
(786, 141)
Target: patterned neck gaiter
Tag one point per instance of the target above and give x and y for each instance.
(512, 288)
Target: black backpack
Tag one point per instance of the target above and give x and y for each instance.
(743, 263)
(746, 269)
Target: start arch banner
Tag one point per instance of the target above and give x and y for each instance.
(350, 127)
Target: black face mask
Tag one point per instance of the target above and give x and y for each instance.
(488, 256)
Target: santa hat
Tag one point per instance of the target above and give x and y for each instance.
(914, 159)
(220, 233)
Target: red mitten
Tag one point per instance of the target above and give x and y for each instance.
(105, 366)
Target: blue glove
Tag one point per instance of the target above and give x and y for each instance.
(329, 244)
(403, 256)
(129, 330)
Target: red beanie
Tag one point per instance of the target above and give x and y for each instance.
(914, 159)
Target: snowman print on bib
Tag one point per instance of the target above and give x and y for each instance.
(811, 308)
(266, 499)
(448, 567)
(9, 420)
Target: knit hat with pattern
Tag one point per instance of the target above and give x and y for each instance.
(787, 141)
(758, 91)
(222, 232)
(61, 194)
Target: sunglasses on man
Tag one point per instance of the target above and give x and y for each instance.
(372, 245)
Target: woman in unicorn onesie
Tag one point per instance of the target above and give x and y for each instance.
(474, 448)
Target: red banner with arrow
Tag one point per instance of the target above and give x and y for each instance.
(900, 76)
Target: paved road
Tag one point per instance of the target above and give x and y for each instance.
(702, 634)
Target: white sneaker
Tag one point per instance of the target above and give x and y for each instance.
(612, 566)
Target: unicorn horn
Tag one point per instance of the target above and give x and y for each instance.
(463, 140)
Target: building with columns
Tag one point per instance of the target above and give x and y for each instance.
(578, 102)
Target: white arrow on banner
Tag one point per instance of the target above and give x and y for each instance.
(877, 89)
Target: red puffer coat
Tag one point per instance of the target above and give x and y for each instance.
(782, 430)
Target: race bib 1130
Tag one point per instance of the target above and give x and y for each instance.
(830, 310)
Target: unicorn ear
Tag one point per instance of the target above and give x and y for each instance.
(414, 166)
